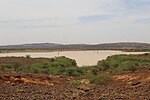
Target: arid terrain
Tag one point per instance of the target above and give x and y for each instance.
(74, 49)
(40, 86)
(134, 86)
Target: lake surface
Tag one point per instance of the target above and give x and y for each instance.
(83, 58)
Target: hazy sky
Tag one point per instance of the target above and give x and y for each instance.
(74, 21)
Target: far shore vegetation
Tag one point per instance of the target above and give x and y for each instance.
(56, 50)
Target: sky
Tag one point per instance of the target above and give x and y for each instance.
(74, 21)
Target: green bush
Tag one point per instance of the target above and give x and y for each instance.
(117, 71)
(101, 79)
(95, 70)
(9, 66)
(56, 66)
(28, 56)
(105, 65)
(46, 71)
(129, 66)
(75, 72)
(65, 62)
(36, 71)
(123, 63)
(17, 65)
(51, 59)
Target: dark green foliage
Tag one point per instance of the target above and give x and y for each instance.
(146, 54)
(123, 63)
(36, 70)
(95, 70)
(101, 79)
(28, 56)
(65, 62)
(52, 59)
(57, 66)
(75, 72)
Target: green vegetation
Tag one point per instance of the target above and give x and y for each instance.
(101, 79)
(123, 63)
(63, 66)
(56, 66)
(67, 67)
(28, 56)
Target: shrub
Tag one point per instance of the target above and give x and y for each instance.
(101, 79)
(65, 62)
(75, 72)
(117, 71)
(36, 71)
(57, 66)
(123, 63)
(46, 71)
(51, 59)
(146, 54)
(28, 56)
(95, 70)
(17, 65)
(9, 66)
(105, 64)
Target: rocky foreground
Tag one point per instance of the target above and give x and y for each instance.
(19, 86)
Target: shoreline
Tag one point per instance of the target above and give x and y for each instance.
(60, 50)
(82, 57)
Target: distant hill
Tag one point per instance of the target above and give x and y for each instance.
(31, 46)
(121, 45)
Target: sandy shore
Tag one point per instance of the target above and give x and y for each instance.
(83, 58)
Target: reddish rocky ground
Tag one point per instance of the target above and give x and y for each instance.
(133, 86)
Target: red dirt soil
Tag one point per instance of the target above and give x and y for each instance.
(133, 86)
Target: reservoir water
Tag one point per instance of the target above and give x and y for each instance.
(83, 58)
